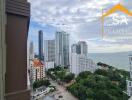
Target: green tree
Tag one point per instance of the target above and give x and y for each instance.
(69, 77)
(84, 74)
(101, 72)
(40, 83)
(61, 74)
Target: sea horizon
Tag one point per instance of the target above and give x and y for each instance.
(119, 60)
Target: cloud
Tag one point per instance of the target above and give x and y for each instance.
(80, 18)
(66, 11)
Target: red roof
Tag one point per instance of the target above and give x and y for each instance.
(37, 63)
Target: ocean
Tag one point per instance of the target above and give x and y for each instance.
(118, 60)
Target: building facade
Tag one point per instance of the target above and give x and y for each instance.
(49, 64)
(129, 82)
(74, 48)
(40, 44)
(30, 54)
(30, 58)
(79, 59)
(49, 53)
(49, 50)
(38, 70)
(80, 63)
(62, 48)
(129, 87)
(80, 48)
(31, 50)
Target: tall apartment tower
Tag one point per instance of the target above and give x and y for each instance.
(13, 49)
(62, 48)
(49, 50)
(49, 53)
(80, 48)
(40, 44)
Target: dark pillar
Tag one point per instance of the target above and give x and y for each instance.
(18, 15)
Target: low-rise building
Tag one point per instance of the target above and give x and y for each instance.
(38, 70)
(49, 65)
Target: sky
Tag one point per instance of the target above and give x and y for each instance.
(80, 19)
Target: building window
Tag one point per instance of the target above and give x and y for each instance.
(129, 83)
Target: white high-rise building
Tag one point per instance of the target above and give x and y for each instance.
(129, 82)
(49, 53)
(79, 60)
(62, 48)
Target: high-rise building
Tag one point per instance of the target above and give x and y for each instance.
(79, 60)
(13, 49)
(62, 48)
(49, 50)
(80, 48)
(40, 44)
(49, 53)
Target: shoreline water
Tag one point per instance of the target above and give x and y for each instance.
(118, 60)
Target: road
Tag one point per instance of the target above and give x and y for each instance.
(61, 91)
